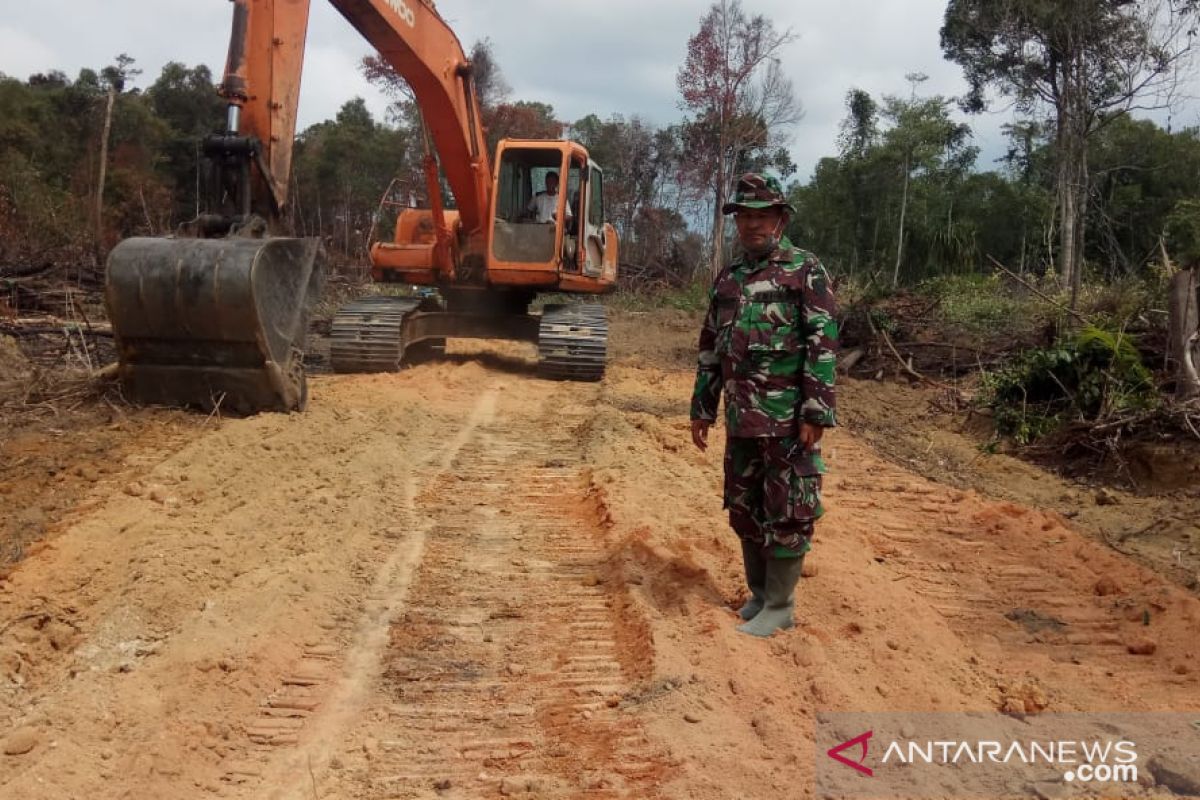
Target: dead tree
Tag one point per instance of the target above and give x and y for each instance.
(1184, 299)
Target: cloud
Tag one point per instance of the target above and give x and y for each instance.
(581, 56)
(331, 78)
(24, 53)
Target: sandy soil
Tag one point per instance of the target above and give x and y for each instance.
(462, 581)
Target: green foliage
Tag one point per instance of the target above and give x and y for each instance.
(1144, 179)
(881, 320)
(1089, 377)
(1026, 48)
(342, 168)
(981, 304)
(691, 298)
(899, 153)
(1087, 62)
(187, 101)
(1183, 232)
(46, 130)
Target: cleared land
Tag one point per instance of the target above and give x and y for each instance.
(462, 581)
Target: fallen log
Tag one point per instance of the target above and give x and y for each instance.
(32, 326)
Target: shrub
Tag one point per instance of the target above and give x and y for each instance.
(1090, 377)
(982, 304)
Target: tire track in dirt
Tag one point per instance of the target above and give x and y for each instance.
(506, 672)
(183, 640)
(304, 691)
(1020, 585)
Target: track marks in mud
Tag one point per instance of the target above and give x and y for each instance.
(1017, 584)
(507, 671)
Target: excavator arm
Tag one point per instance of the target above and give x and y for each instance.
(262, 86)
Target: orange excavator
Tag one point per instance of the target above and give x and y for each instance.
(218, 318)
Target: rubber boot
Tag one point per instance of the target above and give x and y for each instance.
(779, 598)
(756, 579)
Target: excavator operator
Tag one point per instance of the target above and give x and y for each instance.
(544, 205)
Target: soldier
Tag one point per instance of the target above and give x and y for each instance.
(768, 342)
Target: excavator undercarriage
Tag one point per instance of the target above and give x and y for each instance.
(379, 334)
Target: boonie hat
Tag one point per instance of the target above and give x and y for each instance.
(755, 190)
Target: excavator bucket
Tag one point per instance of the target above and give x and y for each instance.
(214, 323)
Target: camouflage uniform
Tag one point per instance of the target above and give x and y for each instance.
(768, 344)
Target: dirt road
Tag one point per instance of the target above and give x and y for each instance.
(461, 581)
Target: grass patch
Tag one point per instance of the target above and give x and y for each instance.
(691, 298)
(981, 305)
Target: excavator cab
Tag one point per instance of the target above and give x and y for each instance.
(577, 251)
(518, 235)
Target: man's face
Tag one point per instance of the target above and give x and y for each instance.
(551, 184)
(758, 228)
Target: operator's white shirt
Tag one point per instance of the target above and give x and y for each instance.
(543, 205)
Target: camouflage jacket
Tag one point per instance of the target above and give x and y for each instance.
(768, 340)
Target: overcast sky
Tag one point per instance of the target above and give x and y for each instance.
(581, 56)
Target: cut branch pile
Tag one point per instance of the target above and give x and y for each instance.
(1108, 440)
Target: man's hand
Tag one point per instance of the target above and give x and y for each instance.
(700, 433)
(809, 434)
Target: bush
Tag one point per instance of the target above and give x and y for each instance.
(1096, 374)
(983, 304)
(693, 297)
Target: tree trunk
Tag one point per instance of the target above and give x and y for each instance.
(718, 259)
(900, 236)
(1184, 304)
(1079, 190)
(108, 113)
(1073, 172)
(1066, 209)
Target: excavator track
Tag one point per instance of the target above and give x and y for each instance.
(367, 335)
(573, 342)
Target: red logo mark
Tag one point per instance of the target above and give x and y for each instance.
(861, 741)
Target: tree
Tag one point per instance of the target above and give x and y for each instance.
(524, 119)
(187, 101)
(1086, 60)
(857, 174)
(923, 138)
(490, 89)
(490, 86)
(909, 145)
(739, 100)
(1140, 176)
(115, 77)
(341, 169)
(860, 128)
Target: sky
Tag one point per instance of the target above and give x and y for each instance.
(580, 56)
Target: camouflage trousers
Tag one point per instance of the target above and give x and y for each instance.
(771, 498)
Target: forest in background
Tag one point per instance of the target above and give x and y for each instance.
(905, 198)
